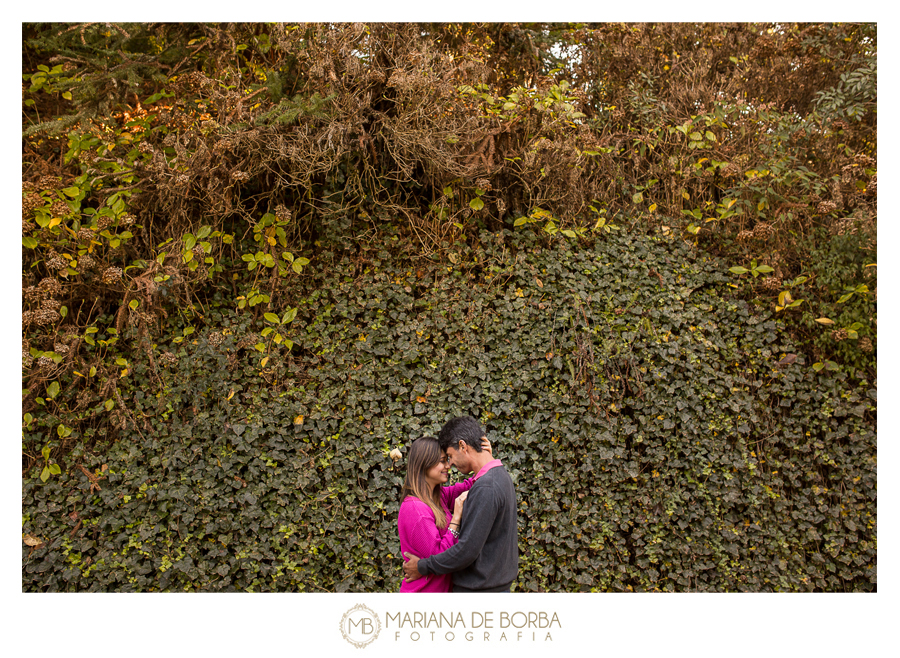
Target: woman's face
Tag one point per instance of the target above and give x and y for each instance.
(437, 474)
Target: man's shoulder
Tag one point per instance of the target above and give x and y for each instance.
(496, 478)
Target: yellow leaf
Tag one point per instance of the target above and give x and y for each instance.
(824, 321)
(262, 364)
(421, 399)
(30, 540)
(652, 207)
(54, 222)
(686, 195)
(298, 420)
(230, 394)
(271, 241)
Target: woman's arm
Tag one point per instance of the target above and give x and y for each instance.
(449, 494)
(419, 532)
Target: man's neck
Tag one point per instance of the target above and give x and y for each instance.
(479, 460)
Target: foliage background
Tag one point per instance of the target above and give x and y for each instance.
(258, 257)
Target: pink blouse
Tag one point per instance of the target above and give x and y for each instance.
(420, 535)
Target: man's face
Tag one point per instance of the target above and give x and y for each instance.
(460, 458)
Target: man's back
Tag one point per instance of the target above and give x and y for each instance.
(486, 558)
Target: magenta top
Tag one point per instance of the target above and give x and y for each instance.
(420, 535)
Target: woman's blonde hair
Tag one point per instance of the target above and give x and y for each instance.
(424, 453)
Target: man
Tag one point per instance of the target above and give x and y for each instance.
(486, 557)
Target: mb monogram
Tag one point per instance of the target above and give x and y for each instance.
(360, 626)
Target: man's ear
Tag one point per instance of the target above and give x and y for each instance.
(462, 446)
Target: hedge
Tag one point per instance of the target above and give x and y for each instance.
(657, 436)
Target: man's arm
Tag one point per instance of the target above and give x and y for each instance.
(481, 510)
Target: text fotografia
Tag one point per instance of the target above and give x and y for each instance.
(480, 626)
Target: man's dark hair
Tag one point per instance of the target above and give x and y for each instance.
(464, 428)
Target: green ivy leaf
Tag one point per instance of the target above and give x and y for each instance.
(53, 389)
(271, 317)
(476, 203)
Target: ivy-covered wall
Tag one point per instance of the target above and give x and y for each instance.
(657, 436)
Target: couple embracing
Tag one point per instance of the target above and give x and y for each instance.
(474, 547)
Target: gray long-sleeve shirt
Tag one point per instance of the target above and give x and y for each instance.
(486, 558)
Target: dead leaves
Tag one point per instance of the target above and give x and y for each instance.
(94, 479)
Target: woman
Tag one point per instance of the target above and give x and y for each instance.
(425, 524)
